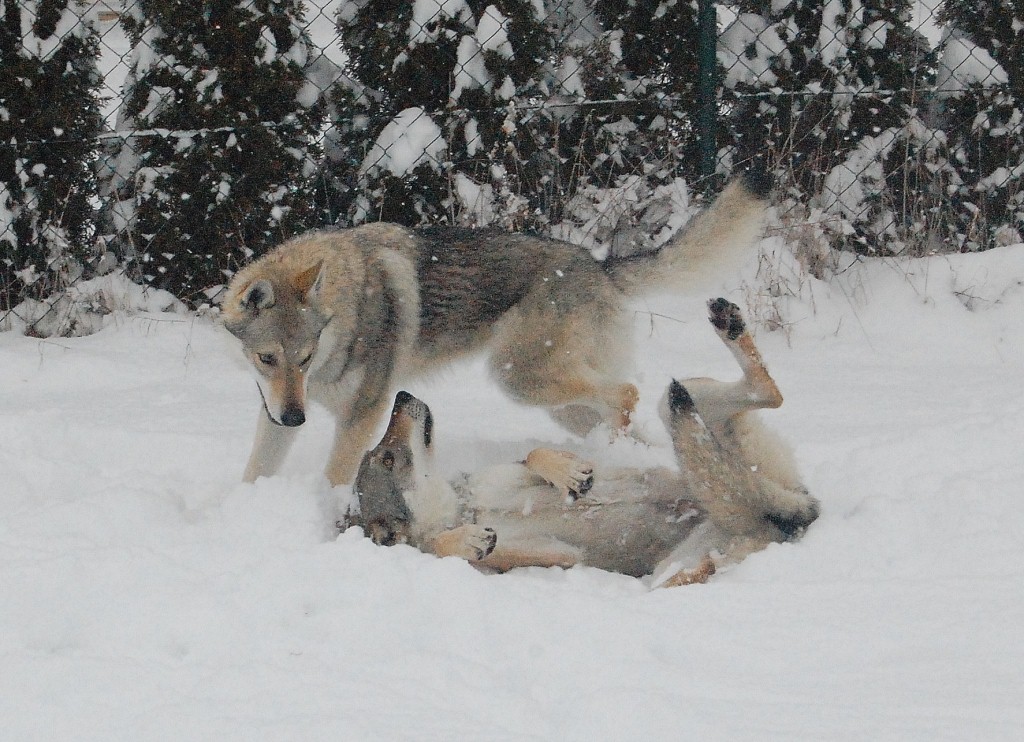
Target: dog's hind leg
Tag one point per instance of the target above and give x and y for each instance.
(575, 399)
(691, 575)
(577, 396)
(744, 510)
(526, 551)
(269, 448)
(564, 348)
(685, 566)
(612, 404)
(719, 401)
(790, 510)
(725, 407)
(715, 476)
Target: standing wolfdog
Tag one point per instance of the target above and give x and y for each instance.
(736, 491)
(342, 317)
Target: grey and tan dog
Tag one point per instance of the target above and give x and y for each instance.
(343, 317)
(735, 492)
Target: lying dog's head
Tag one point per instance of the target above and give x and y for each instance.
(392, 469)
(279, 325)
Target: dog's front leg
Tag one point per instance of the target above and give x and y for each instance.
(351, 440)
(567, 472)
(470, 542)
(527, 551)
(269, 448)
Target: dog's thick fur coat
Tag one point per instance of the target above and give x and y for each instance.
(735, 492)
(343, 317)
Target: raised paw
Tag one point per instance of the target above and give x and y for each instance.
(726, 318)
(568, 473)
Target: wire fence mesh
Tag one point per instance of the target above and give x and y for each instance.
(173, 140)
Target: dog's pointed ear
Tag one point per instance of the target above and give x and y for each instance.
(258, 296)
(310, 281)
(679, 399)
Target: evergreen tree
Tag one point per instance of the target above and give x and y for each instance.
(49, 119)
(660, 42)
(343, 145)
(645, 152)
(522, 119)
(433, 121)
(218, 159)
(982, 99)
(828, 91)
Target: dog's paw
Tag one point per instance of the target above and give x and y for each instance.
(469, 542)
(577, 479)
(571, 475)
(693, 575)
(480, 542)
(726, 318)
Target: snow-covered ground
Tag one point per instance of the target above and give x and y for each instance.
(148, 595)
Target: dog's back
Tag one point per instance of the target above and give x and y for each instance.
(469, 279)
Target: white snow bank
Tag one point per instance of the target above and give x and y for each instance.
(87, 306)
(150, 596)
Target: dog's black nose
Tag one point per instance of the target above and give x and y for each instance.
(293, 417)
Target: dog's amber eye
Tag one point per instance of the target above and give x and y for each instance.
(267, 359)
(305, 361)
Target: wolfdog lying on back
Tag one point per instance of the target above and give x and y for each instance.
(736, 490)
(345, 316)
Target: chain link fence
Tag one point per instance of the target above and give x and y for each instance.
(170, 141)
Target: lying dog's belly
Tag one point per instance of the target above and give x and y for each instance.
(627, 523)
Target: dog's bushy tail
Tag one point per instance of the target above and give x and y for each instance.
(709, 248)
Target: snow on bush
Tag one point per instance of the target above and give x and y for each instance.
(87, 306)
(962, 64)
(219, 148)
(750, 31)
(411, 139)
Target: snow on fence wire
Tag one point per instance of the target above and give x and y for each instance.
(172, 140)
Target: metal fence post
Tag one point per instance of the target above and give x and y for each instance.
(707, 85)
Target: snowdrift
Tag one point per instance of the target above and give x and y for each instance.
(148, 595)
